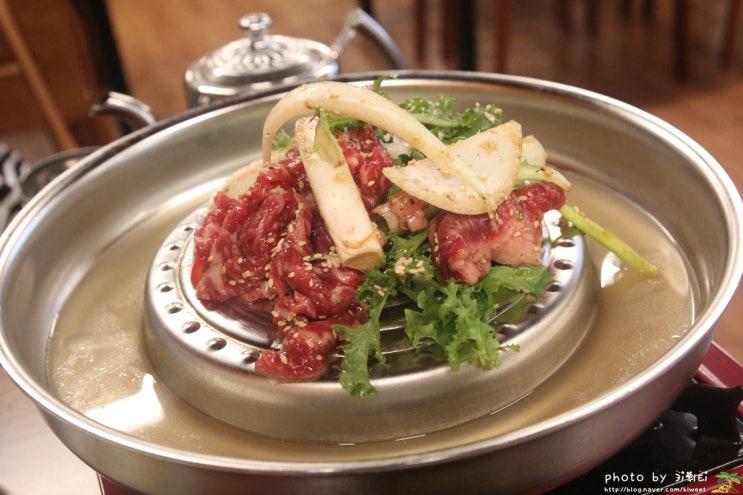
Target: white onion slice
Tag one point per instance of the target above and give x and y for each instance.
(243, 179)
(357, 240)
(536, 168)
(493, 155)
(361, 103)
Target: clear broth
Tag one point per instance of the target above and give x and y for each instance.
(98, 365)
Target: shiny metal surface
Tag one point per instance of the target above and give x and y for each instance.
(47, 169)
(134, 113)
(262, 61)
(137, 114)
(207, 357)
(152, 178)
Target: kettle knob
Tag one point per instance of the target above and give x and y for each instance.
(255, 26)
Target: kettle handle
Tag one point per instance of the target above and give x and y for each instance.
(134, 112)
(358, 20)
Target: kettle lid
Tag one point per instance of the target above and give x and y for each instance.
(260, 61)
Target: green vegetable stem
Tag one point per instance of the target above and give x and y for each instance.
(609, 240)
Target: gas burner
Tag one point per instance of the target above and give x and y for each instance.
(697, 438)
(207, 357)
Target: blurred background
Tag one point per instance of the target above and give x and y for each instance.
(681, 60)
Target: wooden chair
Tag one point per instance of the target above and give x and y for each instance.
(681, 27)
(459, 32)
(25, 65)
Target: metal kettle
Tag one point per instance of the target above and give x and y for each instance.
(261, 61)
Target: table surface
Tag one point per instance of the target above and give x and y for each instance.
(32, 460)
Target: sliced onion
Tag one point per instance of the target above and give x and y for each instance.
(494, 155)
(360, 103)
(536, 168)
(357, 240)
